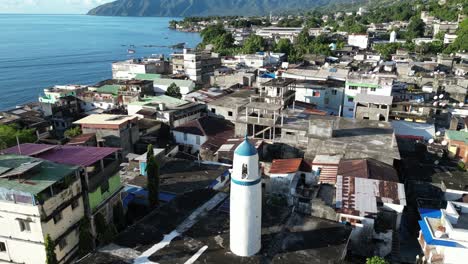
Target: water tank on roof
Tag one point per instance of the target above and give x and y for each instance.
(162, 106)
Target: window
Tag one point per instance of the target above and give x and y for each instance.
(62, 243)
(350, 99)
(290, 133)
(229, 113)
(244, 171)
(75, 204)
(334, 92)
(104, 187)
(197, 140)
(373, 89)
(213, 110)
(2, 247)
(57, 217)
(351, 109)
(353, 88)
(316, 94)
(185, 136)
(383, 107)
(24, 225)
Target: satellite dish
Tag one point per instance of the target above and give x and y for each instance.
(441, 96)
(444, 143)
(461, 104)
(431, 141)
(435, 104)
(436, 97)
(438, 133)
(454, 104)
(436, 162)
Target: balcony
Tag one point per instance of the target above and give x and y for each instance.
(99, 175)
(57, 199)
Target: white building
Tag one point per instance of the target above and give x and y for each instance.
(245, 202)
(327, 96)
(444, 234)
(449, 38)
(38, 198)
(358, 40)
(277, 33)
(257, 60)
(284, 174)
(127, 70)
(364, 84)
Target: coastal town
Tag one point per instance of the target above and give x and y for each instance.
(325, 137)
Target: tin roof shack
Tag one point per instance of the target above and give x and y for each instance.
(204, 135)
(370, 197)
(84, 140)
(443, 236)
(372, 107)
(285, 175)
(119, 131)
(100, 180)
(167, 109)
(126, 91)
(352, 139)
(197, 220)
(38, 198)
(457, 144)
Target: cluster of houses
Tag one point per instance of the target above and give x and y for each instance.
(334, 135)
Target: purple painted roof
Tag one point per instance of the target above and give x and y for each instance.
(67, 154)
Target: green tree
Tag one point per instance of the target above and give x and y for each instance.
(253, 44)
(9, 133)
(86, 240)
(461, 42)
(174, 91)
(283, 46)
(387, 50)
(73, 132)
(152, 172)
(376, 260)
(149, 151)
(49, 244)
(105, 232)
(415, 28)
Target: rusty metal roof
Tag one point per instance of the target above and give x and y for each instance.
(367, 168)
(281, 166)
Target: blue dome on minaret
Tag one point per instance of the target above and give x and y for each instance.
(246, 149)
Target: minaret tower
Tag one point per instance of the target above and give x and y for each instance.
(246, 202)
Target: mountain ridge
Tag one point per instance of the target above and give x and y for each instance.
(183, 8)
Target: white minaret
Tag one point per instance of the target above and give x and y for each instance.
(246, 202)
(393, 37)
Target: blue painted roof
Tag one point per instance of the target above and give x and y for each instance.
(246, 149)
(425, 229)
(431, 213)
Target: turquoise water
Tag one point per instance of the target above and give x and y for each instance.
(38, 51)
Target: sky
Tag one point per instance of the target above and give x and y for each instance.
(49, 6)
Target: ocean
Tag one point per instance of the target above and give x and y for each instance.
(39, 51)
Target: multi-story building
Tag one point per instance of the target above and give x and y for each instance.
(277, 33)
(372, 107)
(100, 173)
(364, 84)
(126, 70)
(38, 198)
(327, 96)
(118, 131)
(160, 85)
(359, 40)
(197, 65)
(169, 110)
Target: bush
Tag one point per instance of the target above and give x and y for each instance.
(376, 260)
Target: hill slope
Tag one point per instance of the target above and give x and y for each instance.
(181, 8)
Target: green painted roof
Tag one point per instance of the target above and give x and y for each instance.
(168, 100)
(147, 76)
(41, 178)
(457, 135)
(109, 89)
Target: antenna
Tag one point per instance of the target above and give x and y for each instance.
(19, 147)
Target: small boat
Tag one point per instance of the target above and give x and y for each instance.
(131, 51)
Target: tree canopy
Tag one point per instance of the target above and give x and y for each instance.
(49, 244)
(253, 44)
(73, 132)
(174, 91)
(152, 175)
(9, 133)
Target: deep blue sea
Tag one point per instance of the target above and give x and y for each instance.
(39, 51)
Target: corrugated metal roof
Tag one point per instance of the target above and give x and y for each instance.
(457, 135)
(67, 154)
(368, 168)
(281, 166)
